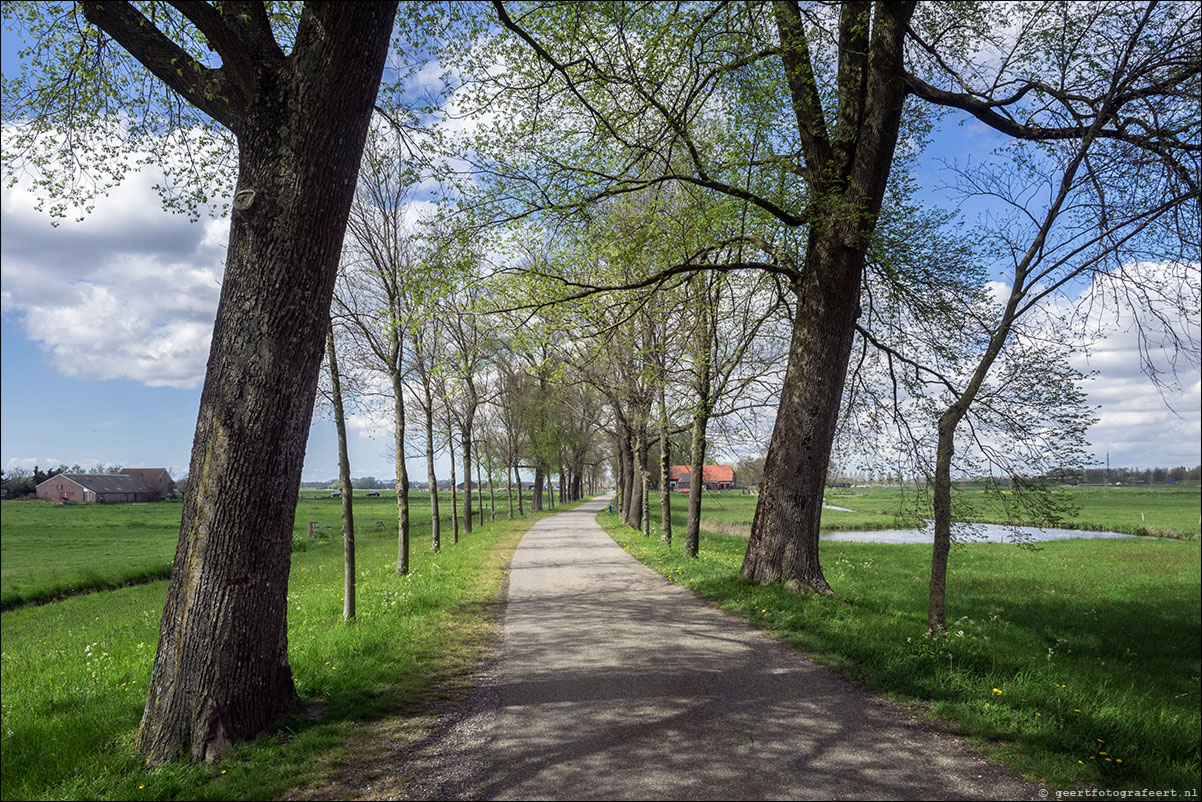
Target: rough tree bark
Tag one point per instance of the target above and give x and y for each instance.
(790, 501)
(638, 454)
(665, 465)
(221, 672)
(703, 388)
(847, 169)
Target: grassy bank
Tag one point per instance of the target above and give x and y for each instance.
(74, 672)
(1076, 662)
(49, 551)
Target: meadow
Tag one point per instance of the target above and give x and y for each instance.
(49, 551)
(1074, 662)
(74, 672)
(1160, 511)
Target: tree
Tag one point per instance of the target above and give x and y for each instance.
(374, 296)
(1121, 211)
(344, 484)
(813, 101)
(467, 347)
(299, 120)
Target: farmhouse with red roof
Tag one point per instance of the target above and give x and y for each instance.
(713, 477)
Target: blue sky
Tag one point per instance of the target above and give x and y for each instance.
(105, 325)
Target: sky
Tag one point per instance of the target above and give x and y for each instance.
(105, 324)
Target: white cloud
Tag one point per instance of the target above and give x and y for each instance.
(1143, 422)
(130, 292)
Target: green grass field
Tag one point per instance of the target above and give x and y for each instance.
(74, 672)
(1166, 511)
(1075, 662)
(47, 551)
(1092, 647)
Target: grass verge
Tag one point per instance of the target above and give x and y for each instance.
(74, 673)
(1076, 663)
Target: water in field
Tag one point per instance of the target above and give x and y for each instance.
(972, 533)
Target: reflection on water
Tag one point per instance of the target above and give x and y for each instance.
(971, 533)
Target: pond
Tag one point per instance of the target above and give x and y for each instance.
(971, 533)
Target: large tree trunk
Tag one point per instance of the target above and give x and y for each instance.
(221, 672)
(465, 442)
(431, 477)
(848, 174)
(536, 503)
(402, 476)
(692, 529)
(634, 516)
(784, 532)
(454, 501)
(345, 488)
(945, 450)
(492, 493)
(645, 489)
(479, 488)
(665, 464)
(626, 471)
(701, 415)
(517, 475)
(509, 487)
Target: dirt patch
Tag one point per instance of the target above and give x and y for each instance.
(441, 753)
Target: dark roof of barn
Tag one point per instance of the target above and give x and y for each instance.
(104, 482)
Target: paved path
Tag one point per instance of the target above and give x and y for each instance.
(615, 684)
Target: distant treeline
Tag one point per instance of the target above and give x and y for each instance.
(1143, 476)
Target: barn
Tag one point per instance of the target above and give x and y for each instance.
(157, 480)
(101, 488)
(713, 477)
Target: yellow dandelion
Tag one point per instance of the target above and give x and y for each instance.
(1118, 760)
(1039, 714)
(223, 771)
(1099, 740)
(140, 787)
(1082, 762)
(1101, 753)
(1076, 710)
(995, 690)
(1107, 760)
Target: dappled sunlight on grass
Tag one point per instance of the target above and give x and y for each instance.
(75, 671)
(1051, 649)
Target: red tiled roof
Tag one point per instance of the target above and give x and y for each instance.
(709, 473)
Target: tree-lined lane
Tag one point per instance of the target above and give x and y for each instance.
(615, 684)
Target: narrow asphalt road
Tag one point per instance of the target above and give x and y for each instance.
(615, 684)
